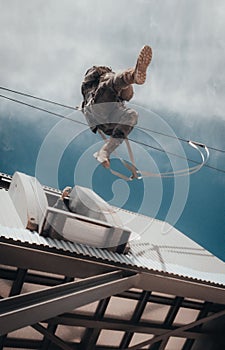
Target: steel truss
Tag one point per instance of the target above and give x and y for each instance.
(99, 281)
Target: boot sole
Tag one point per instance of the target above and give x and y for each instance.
(143, 61)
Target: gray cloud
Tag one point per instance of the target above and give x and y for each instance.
(47, 46)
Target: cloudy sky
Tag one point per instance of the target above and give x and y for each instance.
(46, 46)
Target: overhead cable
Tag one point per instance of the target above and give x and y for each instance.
(83, 123)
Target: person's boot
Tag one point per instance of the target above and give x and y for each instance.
(143, 61)
(137, 75)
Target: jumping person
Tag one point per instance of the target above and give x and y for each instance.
(104, 95)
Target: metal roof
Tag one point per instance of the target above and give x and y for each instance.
(8, 214)
(57, 294)
(158, 246)
(142, 255)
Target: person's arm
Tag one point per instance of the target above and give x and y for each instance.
(61, 202)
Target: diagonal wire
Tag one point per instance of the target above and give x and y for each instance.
(42, 109)
(82, 123)
(76, 108)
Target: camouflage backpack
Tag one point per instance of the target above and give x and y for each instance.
(91, 81)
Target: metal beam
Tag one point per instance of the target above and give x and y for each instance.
(91, 334)
(65, 263)
(50, 260)
(53, 338)
(46, 341)
(18, 282)
(170, 317)
(183, 287)
(20, 343)
(34, 278)
(139, 309)
(23, 310)
(51, 328)
(172, 313)
(203, 313)
(167, 300)
(15, 290)
(160, 299)
(176, 332)
(121, 325)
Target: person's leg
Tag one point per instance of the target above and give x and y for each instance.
(127, 93)
(104, 153)
(122, 81)
(128, 119)
(113, 85)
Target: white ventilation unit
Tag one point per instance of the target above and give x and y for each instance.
(86, 202)
(88, 220)
(29, 199)
(77, 228)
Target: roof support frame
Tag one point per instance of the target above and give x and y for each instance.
(176, 332)
(24, 255)
(121, 325)
(53, 338)
(34, 278)
(18, 282)
(203, 313)
(167, 300)
(30, 308)
(15, 290)
(160, 345)
(135, 318)
(49, 260)
(51, 329)
(91, 334)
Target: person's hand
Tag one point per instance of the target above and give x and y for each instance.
(66, 191)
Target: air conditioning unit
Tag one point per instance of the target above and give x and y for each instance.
(87, 219)
(29, 199)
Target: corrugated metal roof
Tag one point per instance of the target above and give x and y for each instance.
(8, 213)
(143, 255)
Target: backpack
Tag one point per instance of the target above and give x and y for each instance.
(91, 81)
